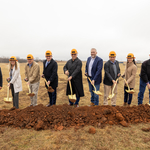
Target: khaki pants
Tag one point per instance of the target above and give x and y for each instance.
(34, 89)
(107, 92)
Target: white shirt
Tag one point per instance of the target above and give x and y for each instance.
(90, 66)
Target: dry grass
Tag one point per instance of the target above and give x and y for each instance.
(111, 137)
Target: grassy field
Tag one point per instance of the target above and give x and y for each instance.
(111, 137)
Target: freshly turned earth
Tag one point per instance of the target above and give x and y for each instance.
(60, 117)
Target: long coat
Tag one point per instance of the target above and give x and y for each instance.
(109, 72)
(1, 79)
(16, 80)
(130, 74)
(145, 71)
(96, 69)
(74, 68)
(50, 73)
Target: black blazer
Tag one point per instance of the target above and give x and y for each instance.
(109, 72)
(145, 71)
(1, 79)
(50, 73)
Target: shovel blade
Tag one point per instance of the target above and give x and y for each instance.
(7, 100)
(110, 96)
(130, 91)
(50, 89)
(30, 94)
(98, 93)
(72, 98)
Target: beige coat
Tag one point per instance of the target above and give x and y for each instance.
(130, 74)
(16, 80)
(33, 73)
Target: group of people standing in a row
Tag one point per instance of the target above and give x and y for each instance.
(73, 70)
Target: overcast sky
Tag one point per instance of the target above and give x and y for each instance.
(34, 26)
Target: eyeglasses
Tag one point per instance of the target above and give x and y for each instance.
(73, 54)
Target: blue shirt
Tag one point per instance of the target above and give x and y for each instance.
(47, 62)
(30, 65)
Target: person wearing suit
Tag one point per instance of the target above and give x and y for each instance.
(144, 81)
(14, 79)
(73, 70)
(1, 79)
(112, 72)
(93, 70)
(50, 68)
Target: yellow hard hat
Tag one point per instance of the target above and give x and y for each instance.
(30, 56)
(130, 55)
(48, 53)
(112, 54)
(74, 51)
(13, 58)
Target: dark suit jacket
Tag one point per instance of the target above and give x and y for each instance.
(50, 73)
(1, 79)
(109, 72)
(96, 69)
(145, 71)
(75, 70)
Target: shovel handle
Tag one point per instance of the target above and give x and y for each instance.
(114, 86)
(29, 88)
(127, 84)
(70, 86)
(7, 92)
(46, 82)
(91, 83)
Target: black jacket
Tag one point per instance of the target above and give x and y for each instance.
(145, 71)
(109, 72)
(50, 73)
(1, 79)
(74, 68)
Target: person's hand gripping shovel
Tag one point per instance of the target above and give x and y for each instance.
(113, 94)
(95, 91)
(49, 88)
(128, 91)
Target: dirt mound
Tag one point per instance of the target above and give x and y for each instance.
(64, 116)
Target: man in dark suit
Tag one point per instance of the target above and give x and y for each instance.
(50, 73)
(1, 79)
(144, 81)
(112, 72)
(93, 70)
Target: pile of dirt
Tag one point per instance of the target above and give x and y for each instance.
(64, 116)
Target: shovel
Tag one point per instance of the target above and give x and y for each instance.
(72, 97)
(96, 92)
(113, 94)
(50, 89)
(7, 99)
(128, 91)
(30, 94)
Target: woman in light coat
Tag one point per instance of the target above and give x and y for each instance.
(129, 74)
(14, 80)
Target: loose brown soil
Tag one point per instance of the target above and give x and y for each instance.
(64, 116)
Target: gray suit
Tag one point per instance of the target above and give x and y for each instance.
(109, 72)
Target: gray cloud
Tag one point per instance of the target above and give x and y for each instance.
(34, 26)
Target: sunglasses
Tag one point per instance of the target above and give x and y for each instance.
(73, 54)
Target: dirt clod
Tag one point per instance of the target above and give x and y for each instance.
(92, 130)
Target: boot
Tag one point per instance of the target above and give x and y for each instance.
(125, 104)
